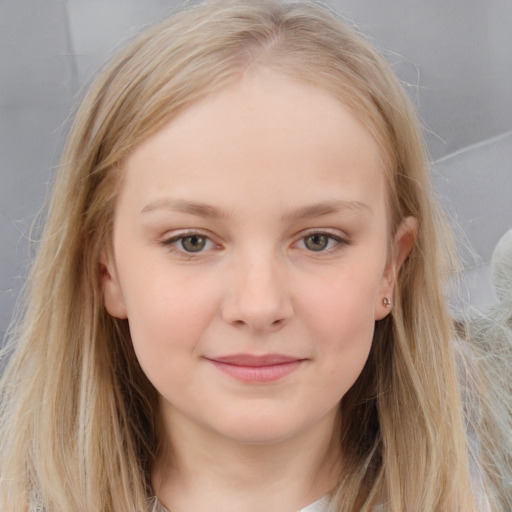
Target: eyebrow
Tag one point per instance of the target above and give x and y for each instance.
(184, 206)
(310, 211)
(329, 208)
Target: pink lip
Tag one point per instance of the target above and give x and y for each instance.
(252, 368)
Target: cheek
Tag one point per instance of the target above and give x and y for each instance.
(341, 319)
(345, 301)
(167, 317)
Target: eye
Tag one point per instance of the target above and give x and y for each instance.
(316, 242)
(189, 243)
(319, 242)
(193, 243)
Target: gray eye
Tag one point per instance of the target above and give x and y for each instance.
(316, 242)
(193, 243)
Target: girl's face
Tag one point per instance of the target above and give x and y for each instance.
(250, 257)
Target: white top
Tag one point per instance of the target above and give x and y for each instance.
(318, 506)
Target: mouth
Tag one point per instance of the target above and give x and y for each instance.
(254, 368)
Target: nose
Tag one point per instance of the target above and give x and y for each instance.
(259, 299)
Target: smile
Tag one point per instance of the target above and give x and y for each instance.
(251, 368)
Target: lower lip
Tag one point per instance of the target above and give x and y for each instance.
(264, 373)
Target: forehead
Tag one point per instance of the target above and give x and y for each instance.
(263, 132)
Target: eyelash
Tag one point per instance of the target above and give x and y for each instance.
(339, 241)
(169, 242)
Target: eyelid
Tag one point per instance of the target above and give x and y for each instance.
(334, 233)
(175, 237)
(341, 238)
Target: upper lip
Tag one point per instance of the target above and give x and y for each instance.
(255, 360)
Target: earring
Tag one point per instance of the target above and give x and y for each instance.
(386, 302)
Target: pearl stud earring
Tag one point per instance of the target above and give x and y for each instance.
(386, 302)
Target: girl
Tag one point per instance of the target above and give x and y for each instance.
(238, 300)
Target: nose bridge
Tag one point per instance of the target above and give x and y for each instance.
(259, 297)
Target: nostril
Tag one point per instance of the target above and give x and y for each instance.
(273, 325)
(257, 302)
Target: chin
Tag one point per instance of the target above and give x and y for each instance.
(261, 430)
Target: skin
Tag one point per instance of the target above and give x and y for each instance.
(262, 172)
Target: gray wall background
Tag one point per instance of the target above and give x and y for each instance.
(455, 58)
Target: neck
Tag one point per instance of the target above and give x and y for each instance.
(204, 471)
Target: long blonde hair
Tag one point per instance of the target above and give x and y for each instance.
(79, 418)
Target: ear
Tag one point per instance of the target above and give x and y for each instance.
(402, 244)
(112, 293)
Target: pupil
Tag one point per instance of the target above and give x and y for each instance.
(316, 242)
(193, 243)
